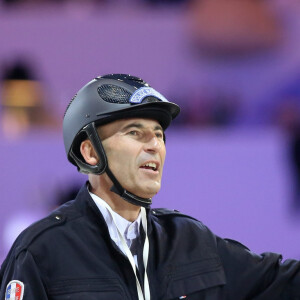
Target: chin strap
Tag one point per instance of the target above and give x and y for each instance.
(119, 190)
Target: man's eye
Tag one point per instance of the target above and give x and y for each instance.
(133, 132)
(159, 135)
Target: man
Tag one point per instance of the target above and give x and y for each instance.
(108, 243)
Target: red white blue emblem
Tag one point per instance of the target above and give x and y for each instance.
(14, 290)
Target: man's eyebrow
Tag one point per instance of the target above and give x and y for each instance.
(158, 127)
(139, 125)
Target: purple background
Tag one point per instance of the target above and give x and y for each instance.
(236, 180)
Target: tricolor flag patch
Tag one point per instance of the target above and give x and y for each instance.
(14, 290)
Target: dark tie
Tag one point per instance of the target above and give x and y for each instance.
(136, 248)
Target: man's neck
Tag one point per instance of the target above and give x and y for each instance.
(125, 209)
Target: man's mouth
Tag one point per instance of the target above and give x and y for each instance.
(150, 166)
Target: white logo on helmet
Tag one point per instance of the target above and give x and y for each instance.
(141, 93)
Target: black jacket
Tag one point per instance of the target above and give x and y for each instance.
(69, 255)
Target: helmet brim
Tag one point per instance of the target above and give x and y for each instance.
(163, 112)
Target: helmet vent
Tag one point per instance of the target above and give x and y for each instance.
(114, 94)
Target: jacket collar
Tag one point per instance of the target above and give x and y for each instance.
(86, 205)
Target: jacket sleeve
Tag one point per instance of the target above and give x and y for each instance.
(258, 277)
(23, 268)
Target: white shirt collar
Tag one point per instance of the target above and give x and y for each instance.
(130, 230)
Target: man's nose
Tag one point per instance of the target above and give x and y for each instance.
(154, 144)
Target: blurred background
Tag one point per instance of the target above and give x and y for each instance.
(232, 65)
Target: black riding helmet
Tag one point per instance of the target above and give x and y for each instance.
(105, 99)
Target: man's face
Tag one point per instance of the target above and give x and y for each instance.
(136, 153)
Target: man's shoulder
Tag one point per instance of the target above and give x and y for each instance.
(46, 227)
(166, 212)
(174, 227)
(173, 215)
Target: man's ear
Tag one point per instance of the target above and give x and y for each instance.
(88, 153)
